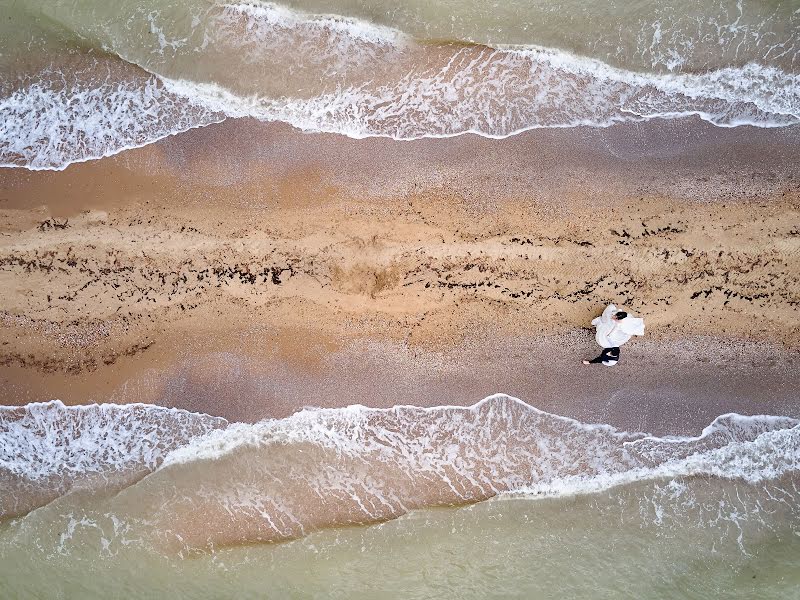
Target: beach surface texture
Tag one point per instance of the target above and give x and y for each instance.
(324, 275)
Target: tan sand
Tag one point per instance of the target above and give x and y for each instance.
(248, 270)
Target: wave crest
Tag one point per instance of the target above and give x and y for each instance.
(62, 116)
(48, 448)
(339, 75)
(214, 484)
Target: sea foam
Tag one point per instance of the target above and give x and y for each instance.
(361, 80)
(46, 439)
(500, 93)
(55, 119)
(282, 478)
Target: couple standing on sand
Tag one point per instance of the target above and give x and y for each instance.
(614, 328)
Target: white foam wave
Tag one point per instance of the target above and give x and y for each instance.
(768, 456)
(502, 93)
(40, 440)
(57, 119)
(48, 439)
(365, 80)
(283, 478)
(552, 450)
(439, 91)
(357, 428)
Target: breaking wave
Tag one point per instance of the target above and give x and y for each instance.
(196, 481)
(342, 75)
(47, 449)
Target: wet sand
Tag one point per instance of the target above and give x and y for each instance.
(247, 270)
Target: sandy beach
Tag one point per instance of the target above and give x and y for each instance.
(247, 269)
(295, 299)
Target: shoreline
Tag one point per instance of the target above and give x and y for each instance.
(662, 387)
(121, 276)
(299, 298)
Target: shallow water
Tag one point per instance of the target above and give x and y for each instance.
(85, 80)
(610, 544)
(361, 501)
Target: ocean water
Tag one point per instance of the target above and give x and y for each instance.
(83, 80)
(494, 500)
